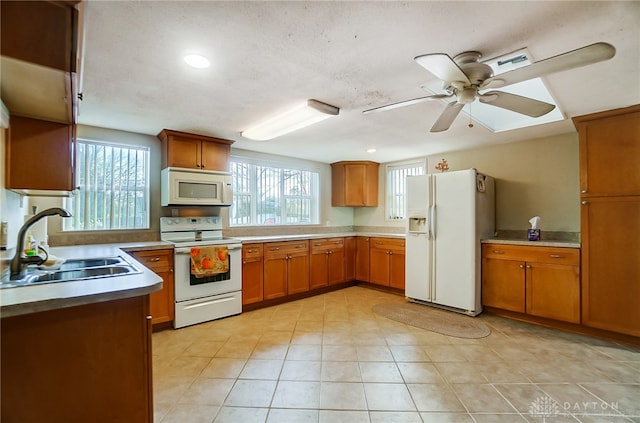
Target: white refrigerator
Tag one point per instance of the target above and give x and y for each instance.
(447, 216)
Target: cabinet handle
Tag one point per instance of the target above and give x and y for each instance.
(198, 165)
(584, 202)
(244, 262)
(521, 266)
(378, 243)
(274, 248)
(203, 166)
(149, 317)
(299, 246)
(528, 266)
(584, 191)
(251, 250)
(556, 256)
(154, 259)
(497, 251)
(287, 257)
(317, 245)
(390, 252)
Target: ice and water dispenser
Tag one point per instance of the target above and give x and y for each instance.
(417, 222)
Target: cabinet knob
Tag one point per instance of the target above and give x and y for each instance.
(584, 191)
(556, 256)
(154, 259)
(583, 202)
(497, 252)
(149, 317)
(390, 252)
(521, 266)
(528, 266)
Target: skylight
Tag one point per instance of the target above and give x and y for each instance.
(497, 119)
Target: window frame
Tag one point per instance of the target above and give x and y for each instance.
(253, 163)
(389, 192)
(146, 189)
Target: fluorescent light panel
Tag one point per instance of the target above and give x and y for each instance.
(305, 114)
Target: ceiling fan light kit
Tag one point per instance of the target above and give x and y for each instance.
(304, 114)
(464, 77)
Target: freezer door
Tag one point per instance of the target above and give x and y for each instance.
(454, 252)
(417, 245)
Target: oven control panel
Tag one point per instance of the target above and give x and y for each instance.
(173, 224)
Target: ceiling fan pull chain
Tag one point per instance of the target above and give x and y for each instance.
(470, 122)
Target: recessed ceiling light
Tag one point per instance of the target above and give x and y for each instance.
(371, 150)
(197, 61)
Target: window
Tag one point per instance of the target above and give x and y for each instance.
(267, 194)
(114, 188)
(396, 174)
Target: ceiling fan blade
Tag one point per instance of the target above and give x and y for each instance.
(447, 117)
(443, 67)
(516, 103)
(583, 56)
(407, 103)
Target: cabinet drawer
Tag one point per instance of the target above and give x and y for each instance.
(568, 256)
(387, 243)
(251, 250)
(326, 244)
(287, 247)
(155, 259)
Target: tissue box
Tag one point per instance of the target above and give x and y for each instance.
(533, 234)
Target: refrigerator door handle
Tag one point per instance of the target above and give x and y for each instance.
(432, 222)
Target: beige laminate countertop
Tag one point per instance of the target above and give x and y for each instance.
(541, 243)
(279, 238)
(49, 296)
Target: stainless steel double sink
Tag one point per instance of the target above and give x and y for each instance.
(74, 270)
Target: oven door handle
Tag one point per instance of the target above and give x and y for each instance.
(187, 250)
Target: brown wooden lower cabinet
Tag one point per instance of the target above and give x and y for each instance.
(540, 281)
(286, 268)
(326, 262)
(387, 262)
(162, 303)
(277, 270)
(611, 263)
(252, 273)
(89, 363)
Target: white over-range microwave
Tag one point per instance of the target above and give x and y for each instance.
(190, 187)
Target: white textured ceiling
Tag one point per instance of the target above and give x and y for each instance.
(354, 55)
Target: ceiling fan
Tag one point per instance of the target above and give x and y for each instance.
(464, 77)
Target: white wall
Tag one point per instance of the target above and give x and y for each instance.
(533, 177)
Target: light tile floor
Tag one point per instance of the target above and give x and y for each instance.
(330, 359)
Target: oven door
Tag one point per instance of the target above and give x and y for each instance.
(189, 287)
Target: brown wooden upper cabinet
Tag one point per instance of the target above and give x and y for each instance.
(40, 157)
(354, 184)
(191, 151)
(609, 152)
(40, 58)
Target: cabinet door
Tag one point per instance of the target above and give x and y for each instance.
(252, 285)
(503, 284)
(297, 273)
(350, 258)
(318, 269)
(215, 156)
(609, 152)
(362, 258)
(161, 303)
(335, 264)
(553, 291)
(275, 276)
(40, 155)
(396, 268)
(611, 264)
(379, 266)
(183, 152)
(62, 365)
(355, 183)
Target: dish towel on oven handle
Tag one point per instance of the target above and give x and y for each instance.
(209, 261)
